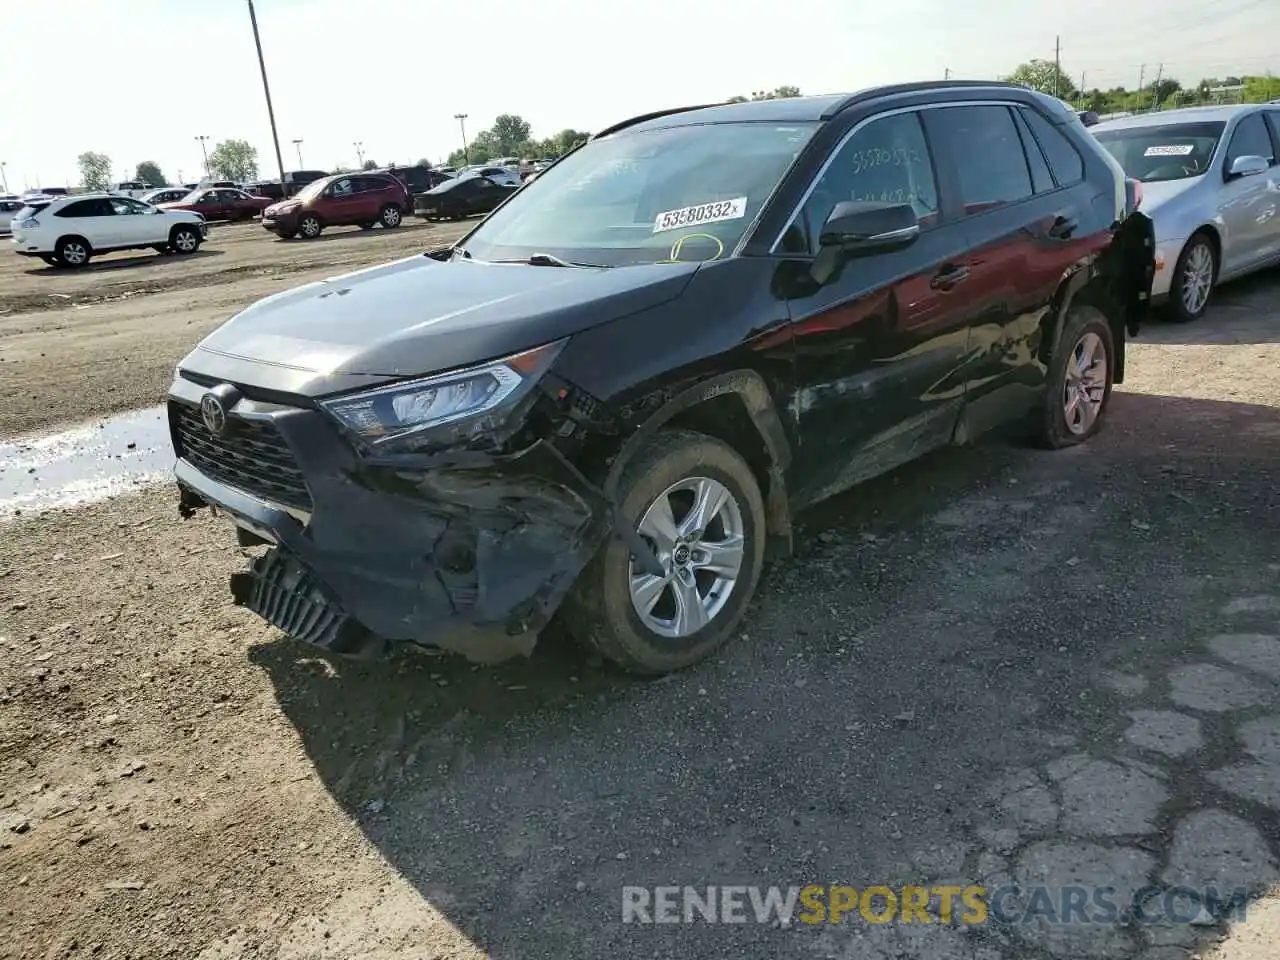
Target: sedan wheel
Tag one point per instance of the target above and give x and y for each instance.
(1193, 279)
(699, 520)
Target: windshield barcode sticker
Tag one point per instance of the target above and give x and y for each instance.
(701, 213)
(1169, 150)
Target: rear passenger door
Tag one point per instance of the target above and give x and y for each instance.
(93, 219)
(1016, 186)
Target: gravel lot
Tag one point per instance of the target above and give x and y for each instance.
(992, 664)
(116, 328)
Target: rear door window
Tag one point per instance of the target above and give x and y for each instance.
(987, 152)
(1041, 178)
(1064, 159)
(97, 207)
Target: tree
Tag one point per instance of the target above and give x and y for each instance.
(234, 160)
(95, 170)
(369, 165)
(777, 93)
(1261, 89)
(424, 162)
(148, 171)
(509, 132)
(1045, 76)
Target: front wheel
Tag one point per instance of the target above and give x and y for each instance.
(1079, 383)
(309, 226)
(184, 240)
(390, 216)
(696, 504)
(1193, 279)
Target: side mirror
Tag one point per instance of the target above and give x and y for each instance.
(861, 227)
(1248, 165)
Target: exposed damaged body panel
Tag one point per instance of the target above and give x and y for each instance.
(568, 410)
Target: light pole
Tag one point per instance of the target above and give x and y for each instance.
(298, 143)
(204, 151)
(462, 122)
(266, 89)
(359, 145)
(3, 177)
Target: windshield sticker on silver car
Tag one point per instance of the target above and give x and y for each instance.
(701, 213)
(1169, 150)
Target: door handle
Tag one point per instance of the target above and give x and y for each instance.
(1063, 228)
(948, 277)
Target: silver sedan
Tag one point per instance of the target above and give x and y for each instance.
(1211, 186)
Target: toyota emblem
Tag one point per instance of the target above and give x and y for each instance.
(213, 414)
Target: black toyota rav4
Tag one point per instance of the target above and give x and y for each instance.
(609, 399)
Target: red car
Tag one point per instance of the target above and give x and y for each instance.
(346, 199)
(221, 203)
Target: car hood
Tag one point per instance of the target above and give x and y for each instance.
(280, 206)
(418, 316)
(1156, 195)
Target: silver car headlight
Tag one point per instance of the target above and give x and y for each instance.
(458, 398)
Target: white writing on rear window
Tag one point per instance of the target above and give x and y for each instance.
(701, 213)
(1169, 150)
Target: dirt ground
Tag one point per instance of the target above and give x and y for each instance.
(116, 328)
(994, 665)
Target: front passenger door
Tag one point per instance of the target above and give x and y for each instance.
(1248, 205)
(881, 346)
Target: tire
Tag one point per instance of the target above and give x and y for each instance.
(1085, 333)
(310, 226)
(600, 612)
(184, 239)
(73, 252)
(1196, 257)
(390, 217)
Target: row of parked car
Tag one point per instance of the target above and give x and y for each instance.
(66, 231)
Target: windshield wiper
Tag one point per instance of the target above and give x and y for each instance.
(550, 260)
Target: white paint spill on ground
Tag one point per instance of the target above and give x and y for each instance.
(85, 464)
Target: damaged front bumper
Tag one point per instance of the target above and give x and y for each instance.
(467, 552)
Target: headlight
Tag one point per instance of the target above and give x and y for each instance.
(409, 408)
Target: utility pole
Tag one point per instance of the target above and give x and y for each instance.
(3, 177)
(266, 89)
(946, 73)
(1082, 73)
(204, 151)
(298, 143)
(462, 122)
(1142, 72)
(1155, 88)
(1057, 65)
(359, 145)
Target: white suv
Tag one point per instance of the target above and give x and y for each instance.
(67, 231)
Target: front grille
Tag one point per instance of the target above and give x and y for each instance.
(250, 456)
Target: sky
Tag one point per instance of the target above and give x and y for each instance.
(141, 79)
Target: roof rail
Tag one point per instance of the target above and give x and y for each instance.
(650, 116)
(875, 93)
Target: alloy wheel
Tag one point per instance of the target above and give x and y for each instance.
(310, 227)
(1085, 384)
(185, 241)
(1197, 278)
(74, 253)
(695, 528)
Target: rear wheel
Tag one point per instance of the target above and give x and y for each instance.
(390, 216)
(1079, 387)
(309, 226)
(72, 252)
(1193, 279)
(696, 504)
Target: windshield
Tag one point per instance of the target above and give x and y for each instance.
(680, 193)
(1174, 151)
(312, 189)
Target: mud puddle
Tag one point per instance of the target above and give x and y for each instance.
(85, 464)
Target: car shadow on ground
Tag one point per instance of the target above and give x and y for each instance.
(111, 262)
(942, 686)
(1243, 311)
(348, 233)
